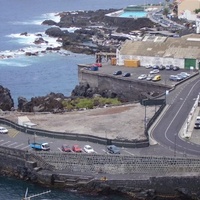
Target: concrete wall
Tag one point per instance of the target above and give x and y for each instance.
(146, 60)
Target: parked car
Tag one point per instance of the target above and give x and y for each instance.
(175, 68)
(113, 149)
(88, 149)
(161, 67)
(149, 77)
(126, 74)
(143, 76)
(3, 130)
(76, 148)
(117, 72)
(175, 78)
(66, 148)
(167, 67)
(155, 67)
(156, 78)
(155, 71)
(197, 123)
(184, 74)
(148, 67)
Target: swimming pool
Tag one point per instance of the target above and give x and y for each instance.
(133, 14)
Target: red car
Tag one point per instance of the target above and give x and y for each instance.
(66, 148)
(76, 148)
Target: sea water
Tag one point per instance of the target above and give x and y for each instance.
(39, 75)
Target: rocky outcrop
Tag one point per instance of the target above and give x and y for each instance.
(49, 103)
(84, 90)
(95, 27)
(6, 101)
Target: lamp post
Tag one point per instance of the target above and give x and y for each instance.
(175, 135)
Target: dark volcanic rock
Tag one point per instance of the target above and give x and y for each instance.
(49, 22)
(6, 101)
(55, 32)
(48, 103)
(84, 90)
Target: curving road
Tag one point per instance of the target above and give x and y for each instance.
(167, 129)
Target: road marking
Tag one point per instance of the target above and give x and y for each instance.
(12, 144)
(59, 149)
(25, 147)
(5, 143)
(13, 133)
(129, 152)
(19, 145)
(105, 151)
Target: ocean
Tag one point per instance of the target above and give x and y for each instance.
(32, 76)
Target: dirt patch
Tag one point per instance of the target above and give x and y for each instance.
(123, 122)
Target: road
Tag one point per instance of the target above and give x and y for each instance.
(180, 104)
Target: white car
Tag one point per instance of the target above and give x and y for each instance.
(143, 76)
(3, 130)
(88, 149)
(155, 71)
(149, 77)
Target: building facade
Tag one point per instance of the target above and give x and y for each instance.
(183, 52)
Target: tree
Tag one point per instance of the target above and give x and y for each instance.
(165, 11)
(197, 10)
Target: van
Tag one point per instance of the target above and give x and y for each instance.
(156, 78)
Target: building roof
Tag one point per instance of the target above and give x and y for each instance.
(155, 46)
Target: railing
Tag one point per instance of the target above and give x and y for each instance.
(76, 136)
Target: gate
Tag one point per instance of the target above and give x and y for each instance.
(190, 63)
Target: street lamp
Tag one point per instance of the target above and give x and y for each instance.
(175, 135)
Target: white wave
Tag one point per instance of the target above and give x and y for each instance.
(51, 16)
(48, 16)
(71, 29)
(14, 63)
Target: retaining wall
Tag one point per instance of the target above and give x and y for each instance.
(129, 89)
(120, 164)
(141, 175)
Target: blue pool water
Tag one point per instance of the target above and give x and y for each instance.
(134, 14)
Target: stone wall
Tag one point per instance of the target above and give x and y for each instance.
(120, 164)
(142, 176)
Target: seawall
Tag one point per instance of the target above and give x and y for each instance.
(138, 176)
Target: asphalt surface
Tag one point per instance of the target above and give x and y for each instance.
(180, 103)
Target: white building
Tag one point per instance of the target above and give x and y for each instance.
(155, 50)
(186, 9)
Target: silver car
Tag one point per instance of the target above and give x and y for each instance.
(3, 130)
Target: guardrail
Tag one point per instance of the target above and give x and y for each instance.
(76, 136)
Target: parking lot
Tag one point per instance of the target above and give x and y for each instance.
(21, 141)
(135, 72)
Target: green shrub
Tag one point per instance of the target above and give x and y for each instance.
(89, 103)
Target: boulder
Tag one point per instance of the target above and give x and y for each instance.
(49, 23)
(6, 101)
(40, 41)
(55, 32)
